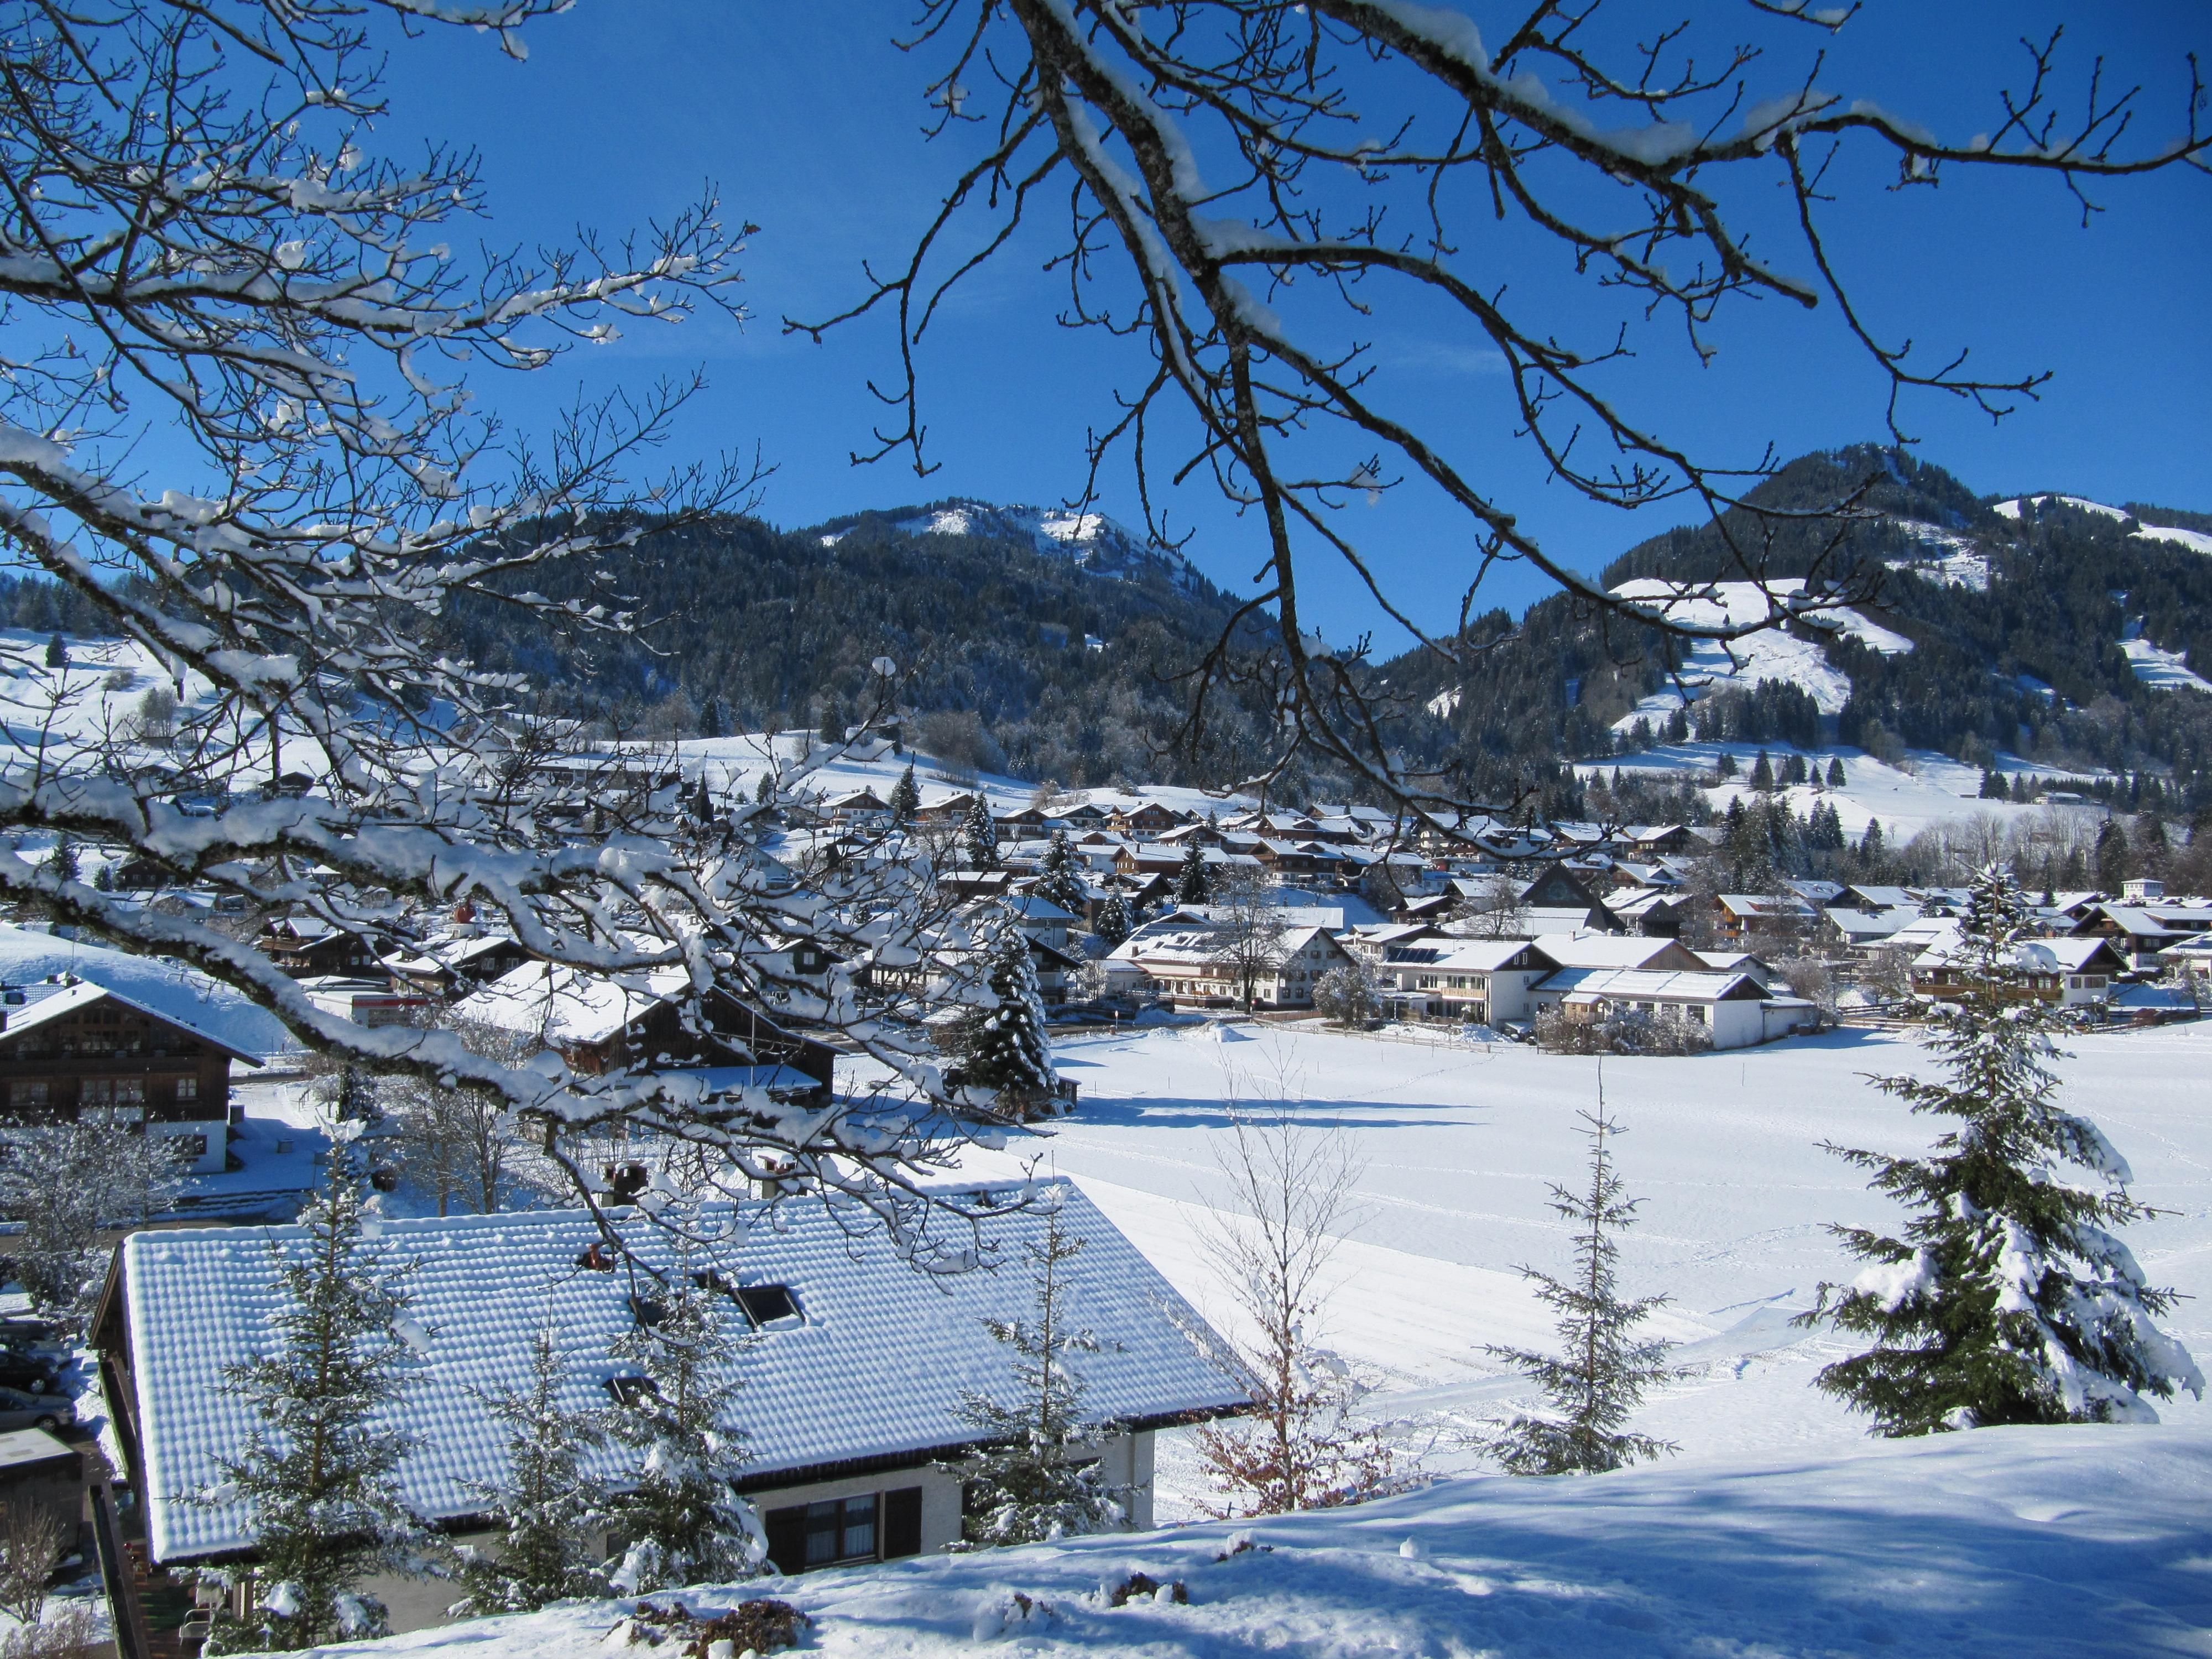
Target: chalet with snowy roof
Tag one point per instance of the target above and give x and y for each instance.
(2073, 972)
(1186, 960)
(69, 1046)
(308, 947)
(1737, 916)
(1733, 1010)
(1486, 982)
(597, 1025)
(851, 1374)
(2140, 930)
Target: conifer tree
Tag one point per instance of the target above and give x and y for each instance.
(906, 800)
(1115, 924)
(979, 835)
(62, 862)
(681, 1517)
(319, 1472)
(56, 652)
(1060, 882)
(764, 791)
(2007, 1299)
(1193, 883)
(1835, 773)
(1008, 1051)
(1762, 773)
(1602, 1369)
(548, 1507)
(1026, 1487)
(1870, 848)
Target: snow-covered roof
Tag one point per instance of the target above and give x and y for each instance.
(1653, 984)
(2071, 955)
(561, 1005)
(1605, 949)
(44, 1004)
(875, 1367)
(1463, 955)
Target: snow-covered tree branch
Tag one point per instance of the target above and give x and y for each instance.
(238, 416)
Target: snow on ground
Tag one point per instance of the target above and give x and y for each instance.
(2168, 671)
(2195, 540)
(1956, 562)
(1781, 1529)
(1767, 655)
(1928, 788)
(2055, 1543)
(1460, 1143)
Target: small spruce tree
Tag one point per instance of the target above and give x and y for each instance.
(56, 652)
(1835, 773)
(764, 791)
(1026, 1485)
(547, 1507)
(1602, 1369)
(318, 1473)
(681, 1517)
(62, 862)
(979, 835)
(1115, 924)
(2008, 1299)
(906, 800)
(1194, 883)
(1008, 1051)
(1060, 882)
(1762, 773)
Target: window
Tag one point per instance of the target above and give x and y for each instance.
(1696, 1016)
(28, 1092)
(628, 1390)
(190, 1148)
(188, 1088)
(113, 1092)
(809, 1536)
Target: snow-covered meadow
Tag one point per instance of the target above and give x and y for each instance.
(1779, 1530)
(1460, 1142)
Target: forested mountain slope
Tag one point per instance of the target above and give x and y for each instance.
(2067, 632)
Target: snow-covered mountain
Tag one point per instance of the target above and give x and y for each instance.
(1100, 545)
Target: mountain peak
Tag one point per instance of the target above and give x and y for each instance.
(1100, 545)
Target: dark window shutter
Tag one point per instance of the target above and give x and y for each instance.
(787, 1538)
(903, 1521)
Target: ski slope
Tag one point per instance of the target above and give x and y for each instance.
(1767, 655)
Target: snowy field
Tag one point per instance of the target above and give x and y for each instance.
(1460, 1142)
(1780, 1531)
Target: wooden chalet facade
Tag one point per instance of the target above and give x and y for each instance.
(68, 1048)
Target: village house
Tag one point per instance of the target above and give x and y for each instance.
(597, 1026)
(1733, 1010)
(1484, 981)
(68, 1047)
(308, 947)
(1192, 961)
(851, 1382)
(2073, 972)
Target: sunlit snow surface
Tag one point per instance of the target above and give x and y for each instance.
(1780, 1530)
(2168, 671)
(1767, 655)
(2196, 540)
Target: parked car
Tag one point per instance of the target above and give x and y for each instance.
(28, 1372)
(49, 1412)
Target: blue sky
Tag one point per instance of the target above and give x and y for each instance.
(809, 119)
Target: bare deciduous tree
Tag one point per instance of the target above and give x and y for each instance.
(67, 1183)
(1301, 1449)
(204, 261)
(1248, 930)
(31, 1538)
(1256, 188)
